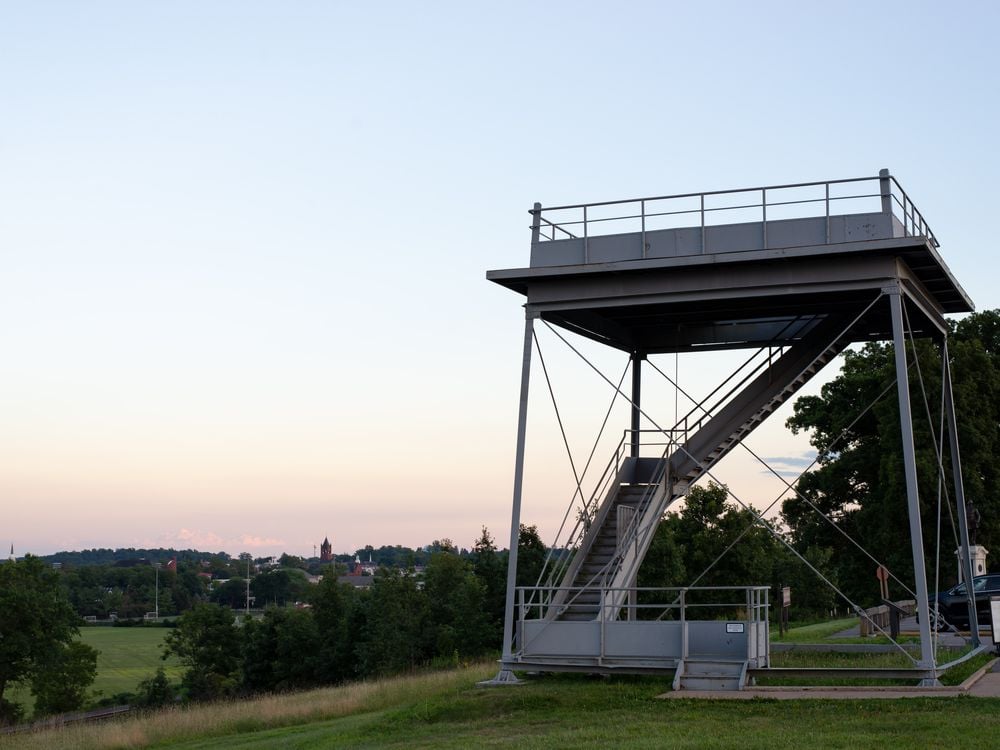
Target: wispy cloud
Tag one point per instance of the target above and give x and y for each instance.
(788, 466)
(791, 473)
(802, 461)
(210, 541)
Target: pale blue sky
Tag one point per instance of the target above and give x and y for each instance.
(243, 244)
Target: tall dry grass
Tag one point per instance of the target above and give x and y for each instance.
(248, 715)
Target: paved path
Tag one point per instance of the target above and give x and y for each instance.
(985, 685)
(908, 626)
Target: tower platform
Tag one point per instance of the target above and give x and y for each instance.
(733, 285)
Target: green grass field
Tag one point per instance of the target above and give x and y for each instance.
(447, 710)
(127, 656)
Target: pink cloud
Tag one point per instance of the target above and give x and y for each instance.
(209, 541)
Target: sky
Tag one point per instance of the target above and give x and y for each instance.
(243, 244)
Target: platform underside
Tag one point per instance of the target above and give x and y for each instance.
(740, 300)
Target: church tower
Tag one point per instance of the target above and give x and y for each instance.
(325, 551)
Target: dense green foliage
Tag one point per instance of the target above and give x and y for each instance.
(37, 631)
(402, 622)
(859, 480)
(206, 640)
(714, 542)
(101, 591)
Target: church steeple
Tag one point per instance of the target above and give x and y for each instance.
(326, 551)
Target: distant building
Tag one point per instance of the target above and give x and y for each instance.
(357, 581)
(326, 551)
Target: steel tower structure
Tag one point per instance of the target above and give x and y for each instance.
(797, 272)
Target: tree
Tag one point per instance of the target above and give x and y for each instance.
(36, 621)
(155, 691)
(280, 586)
(394, 638)
(335, 606)
(60, 681)
(489, 568)
(531, 553)
(232, 593)
(711, 542)
(280, 651)
(859, 482)
(206, 640)
(457, 621)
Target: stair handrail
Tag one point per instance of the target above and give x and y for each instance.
(649, 526)
(579, 529)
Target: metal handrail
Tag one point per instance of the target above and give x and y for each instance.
(754, 602)
(913, 221)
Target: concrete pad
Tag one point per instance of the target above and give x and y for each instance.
(985, 683)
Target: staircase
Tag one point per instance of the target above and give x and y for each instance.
(611, 552)
(583, 595)
(706, 673)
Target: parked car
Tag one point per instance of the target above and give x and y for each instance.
(953, 604)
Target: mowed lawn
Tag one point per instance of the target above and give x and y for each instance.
(128, 656)
(447, 710)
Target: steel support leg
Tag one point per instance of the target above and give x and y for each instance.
(965, 557)
(506, 676)
(910, 470)
(636, 392)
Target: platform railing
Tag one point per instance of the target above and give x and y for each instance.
(741, 603)
(881, 194)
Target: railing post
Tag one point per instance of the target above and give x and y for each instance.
(586, 240)
(684, 635)
(642, 212)
(827, 200)
(885, 190)
(702, 211)
(763, 208)
(602, 617)
(536, 222)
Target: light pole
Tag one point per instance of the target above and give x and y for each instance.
(248, 585)
(156, 608)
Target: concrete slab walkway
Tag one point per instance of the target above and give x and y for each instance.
(985, 683)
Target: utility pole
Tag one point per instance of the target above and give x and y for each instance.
(157, 596)
(248, 585)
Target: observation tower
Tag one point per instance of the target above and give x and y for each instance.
(795, 273)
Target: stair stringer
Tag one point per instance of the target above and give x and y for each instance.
(716, 438)
(560, 596)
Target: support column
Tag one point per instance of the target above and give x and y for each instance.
(637, 358)
(506, 675)
(965, 556)
(910, 470)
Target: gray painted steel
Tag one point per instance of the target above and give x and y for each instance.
(515, 518)
(963, 521)
(910, 471)
(806, 285)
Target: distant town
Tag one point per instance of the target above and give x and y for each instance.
(130, 583)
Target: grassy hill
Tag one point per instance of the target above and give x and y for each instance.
(447, 710)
